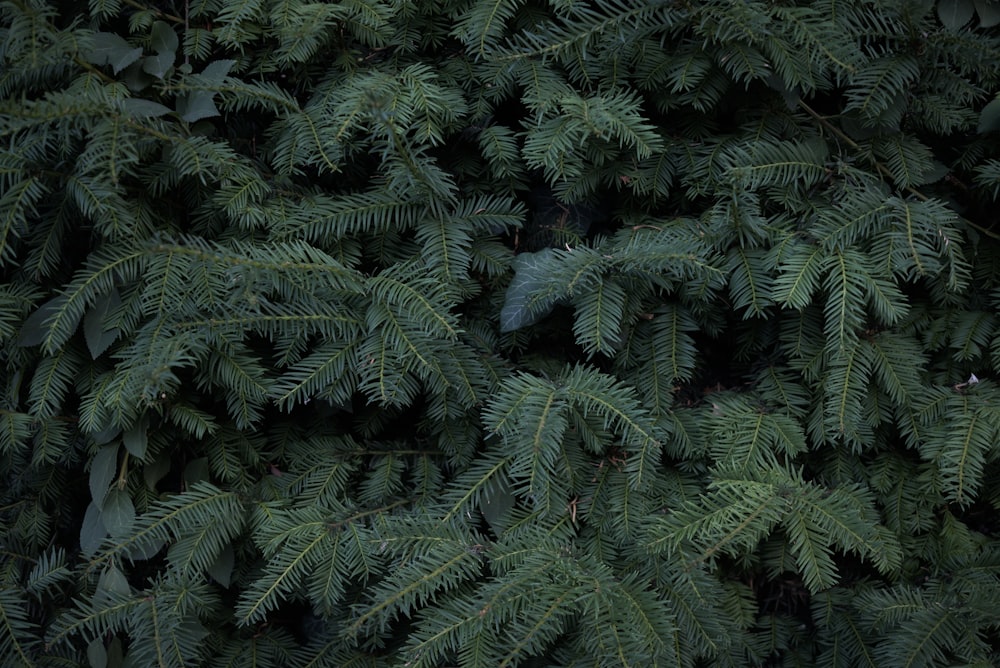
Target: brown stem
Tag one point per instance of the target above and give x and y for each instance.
(93, 70)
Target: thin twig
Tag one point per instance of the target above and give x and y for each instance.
(93, 70)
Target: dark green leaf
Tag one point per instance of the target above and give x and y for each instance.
(103, 470)
(163, 39)
(97, 654)
(110, 49)
(989, 12)
(135, 78)
(97, 336)
(196, 106)
(139, 108)
(143, 550)
(222, 569)
(158, 65)
(989, 117)
(36, 329)
(106, 435)
(116, 658)
(197, 471)
(217, 71)
(118, 513)
(92, 531)
(137, 438)
(154, 471)
(938, 171)
(955, 13)
(112, 583)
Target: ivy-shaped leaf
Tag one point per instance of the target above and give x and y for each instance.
(107, 48)
(197, 105)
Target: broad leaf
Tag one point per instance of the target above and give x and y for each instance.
(196, 105)
(955, 13)
(103, 469)
(989, 117)
(98, 337)
(92, 531)
(163, 39)
(118, 513)
(107, 48)
(989, 12)
(136, 439)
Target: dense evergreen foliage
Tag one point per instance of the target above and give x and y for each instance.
(499, 333)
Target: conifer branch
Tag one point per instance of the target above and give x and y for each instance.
(553, 348)
(885, 171)
(155, 10)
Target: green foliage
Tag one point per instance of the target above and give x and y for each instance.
(499, 333)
